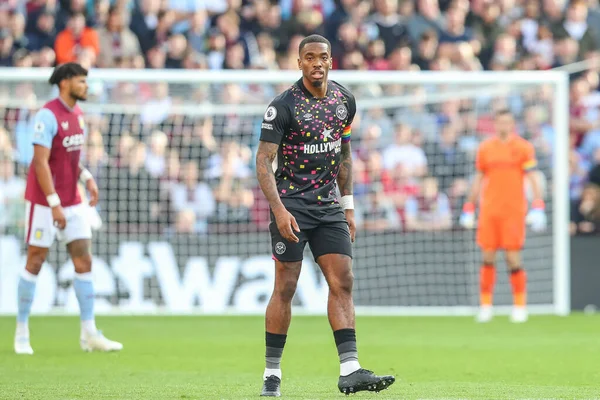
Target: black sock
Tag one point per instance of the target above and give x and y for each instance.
(275, 343)
(345, 340)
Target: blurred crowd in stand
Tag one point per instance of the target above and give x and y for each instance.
(195, 174)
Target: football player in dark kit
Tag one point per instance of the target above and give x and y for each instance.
(307, 129)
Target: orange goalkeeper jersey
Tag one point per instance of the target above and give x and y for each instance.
(504, 164)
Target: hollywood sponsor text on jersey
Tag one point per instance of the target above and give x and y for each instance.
(74, 142)
(327, 146)
(324, 147)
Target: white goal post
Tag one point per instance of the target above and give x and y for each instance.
(159, 251)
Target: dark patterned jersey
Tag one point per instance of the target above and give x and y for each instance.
(310, 132)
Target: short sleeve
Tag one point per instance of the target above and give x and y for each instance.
(480, 159)
(351, 104)
(45, 128)
(276, 122)
(529, 161)
(351, 109)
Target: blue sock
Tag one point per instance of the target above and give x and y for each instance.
(25, 293)
(84, 289)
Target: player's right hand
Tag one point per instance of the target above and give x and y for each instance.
(467, 218)
(58, 216)
(287, 225)
(92, 189)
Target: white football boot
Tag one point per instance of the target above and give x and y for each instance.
(98, 342)
(22, 345)
(518, 315)
(485, 314)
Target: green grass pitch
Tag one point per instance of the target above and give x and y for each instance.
(223, 357)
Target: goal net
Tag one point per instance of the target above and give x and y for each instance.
(182, 225)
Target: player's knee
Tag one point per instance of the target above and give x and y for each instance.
(343, 283)
(35, 262)
(514, 266)
(489, 258)
(513, 261)
(83, 263)
(286, 290)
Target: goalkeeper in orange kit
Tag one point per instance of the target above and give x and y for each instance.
(503, 163)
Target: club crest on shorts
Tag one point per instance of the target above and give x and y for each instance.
(38, 234)
(341, 112)
(280, 248)
(270, 114)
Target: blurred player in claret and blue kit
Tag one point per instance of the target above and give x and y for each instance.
(54, 207)
(503, 163)
(307, 129)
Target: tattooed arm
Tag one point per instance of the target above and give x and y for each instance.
(344, 181)
(286, 223)
(344, 178)
(264, 173)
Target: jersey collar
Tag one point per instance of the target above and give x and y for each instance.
(308, 94)
(511, 138)
(69, 109)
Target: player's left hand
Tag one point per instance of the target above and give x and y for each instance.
(351, 224)
(537, 220)
(92, 189)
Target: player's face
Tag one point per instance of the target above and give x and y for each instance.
(78, 88)
(315, 63)
(504, 124)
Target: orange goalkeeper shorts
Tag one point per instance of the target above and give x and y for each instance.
(506, 232)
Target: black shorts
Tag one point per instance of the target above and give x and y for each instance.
(325, 231)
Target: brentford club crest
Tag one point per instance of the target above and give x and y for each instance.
(280, 248)
(341, 112)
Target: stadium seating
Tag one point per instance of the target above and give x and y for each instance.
(262, 34)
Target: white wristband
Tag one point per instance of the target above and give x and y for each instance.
(53, 200)
(85, 175)
(347, 202)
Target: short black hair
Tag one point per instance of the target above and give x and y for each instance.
(313, 39)
(66, 71)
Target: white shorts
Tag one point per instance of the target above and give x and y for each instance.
(41, 231)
